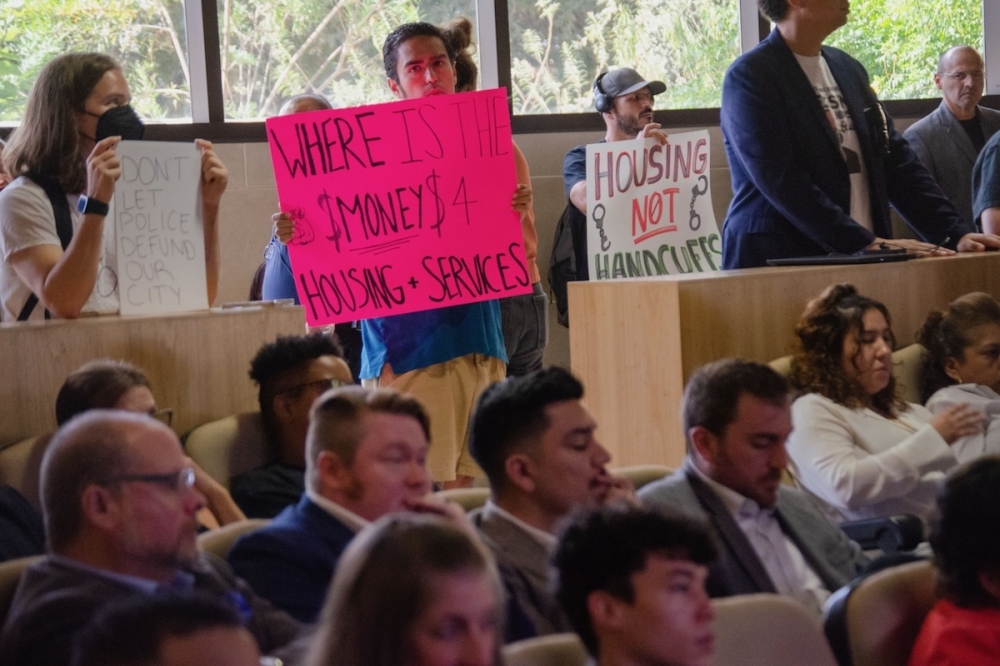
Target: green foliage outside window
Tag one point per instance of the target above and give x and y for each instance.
(559, 46)
(273, 49)
(146, 36)
(900, 41)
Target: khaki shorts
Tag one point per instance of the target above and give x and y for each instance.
(448, 391)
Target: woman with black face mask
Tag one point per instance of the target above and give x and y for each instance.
(57, 252)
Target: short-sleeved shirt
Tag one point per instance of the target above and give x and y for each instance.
(27, 220)
(986, 179)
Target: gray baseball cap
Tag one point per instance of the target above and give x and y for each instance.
(625, 81)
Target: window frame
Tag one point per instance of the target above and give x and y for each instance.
(208, 105)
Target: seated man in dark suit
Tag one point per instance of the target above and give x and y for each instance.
(366, 452)
(632, 583)
(737, 417)
(534, 439)
(120, 517)
(291, 373)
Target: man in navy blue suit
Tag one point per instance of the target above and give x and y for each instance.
(815, 161)
(365, 457)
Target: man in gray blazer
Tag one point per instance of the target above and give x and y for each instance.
(772, 538)
(948, 140)
(534, 439)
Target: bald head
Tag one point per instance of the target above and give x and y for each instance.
(957, 53)
(303, 103)
(91, 448)
(960, 79)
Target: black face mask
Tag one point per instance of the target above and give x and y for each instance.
(120, 121)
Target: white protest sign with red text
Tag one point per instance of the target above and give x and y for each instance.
(649, 208)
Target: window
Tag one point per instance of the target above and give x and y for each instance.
(900, 41)
(269, 50)
(275, 49)
(146, 36)
(557, 48)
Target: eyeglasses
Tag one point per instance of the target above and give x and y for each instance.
(976, 75)
(321, 384)
(164, 416)
(179, 480)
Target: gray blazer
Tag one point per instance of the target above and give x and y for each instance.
(737, 570)
(942, 145)
(524, 568)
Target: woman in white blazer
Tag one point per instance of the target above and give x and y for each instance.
(857, 447)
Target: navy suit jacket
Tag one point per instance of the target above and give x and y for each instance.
(291, 561)
(791, 185)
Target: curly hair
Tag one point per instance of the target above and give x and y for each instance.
(817, 366)
(948, 333)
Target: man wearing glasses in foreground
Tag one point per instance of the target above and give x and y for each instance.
(120, 516)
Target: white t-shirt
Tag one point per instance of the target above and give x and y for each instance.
(835, 106)
(27, 220)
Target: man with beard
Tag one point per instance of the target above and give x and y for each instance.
(625, 101)
(772, 538)
(120, 518)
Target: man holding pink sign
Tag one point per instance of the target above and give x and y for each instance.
(402, 219)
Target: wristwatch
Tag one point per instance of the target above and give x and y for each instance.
(89, 206)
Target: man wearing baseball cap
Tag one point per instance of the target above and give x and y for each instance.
(625, 101)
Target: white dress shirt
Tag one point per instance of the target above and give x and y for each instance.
(791, 574)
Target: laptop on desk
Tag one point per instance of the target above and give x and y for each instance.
(868, 257)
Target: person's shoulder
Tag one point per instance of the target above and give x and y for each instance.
(956, 393)
(22, 197)
(989, 112)
(835, 56)
(575, 158)
(815, 401)
(673, 491)
(991, 148)
(929, 124)
(790, 497)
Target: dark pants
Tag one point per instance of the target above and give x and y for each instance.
(525, 323)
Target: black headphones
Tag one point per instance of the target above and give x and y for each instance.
(603, 102)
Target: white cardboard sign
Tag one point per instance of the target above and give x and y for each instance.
(157, 214)
(649, 208)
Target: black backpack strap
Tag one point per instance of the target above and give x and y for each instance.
(64, 228)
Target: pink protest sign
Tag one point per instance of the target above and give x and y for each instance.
(400, 207)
